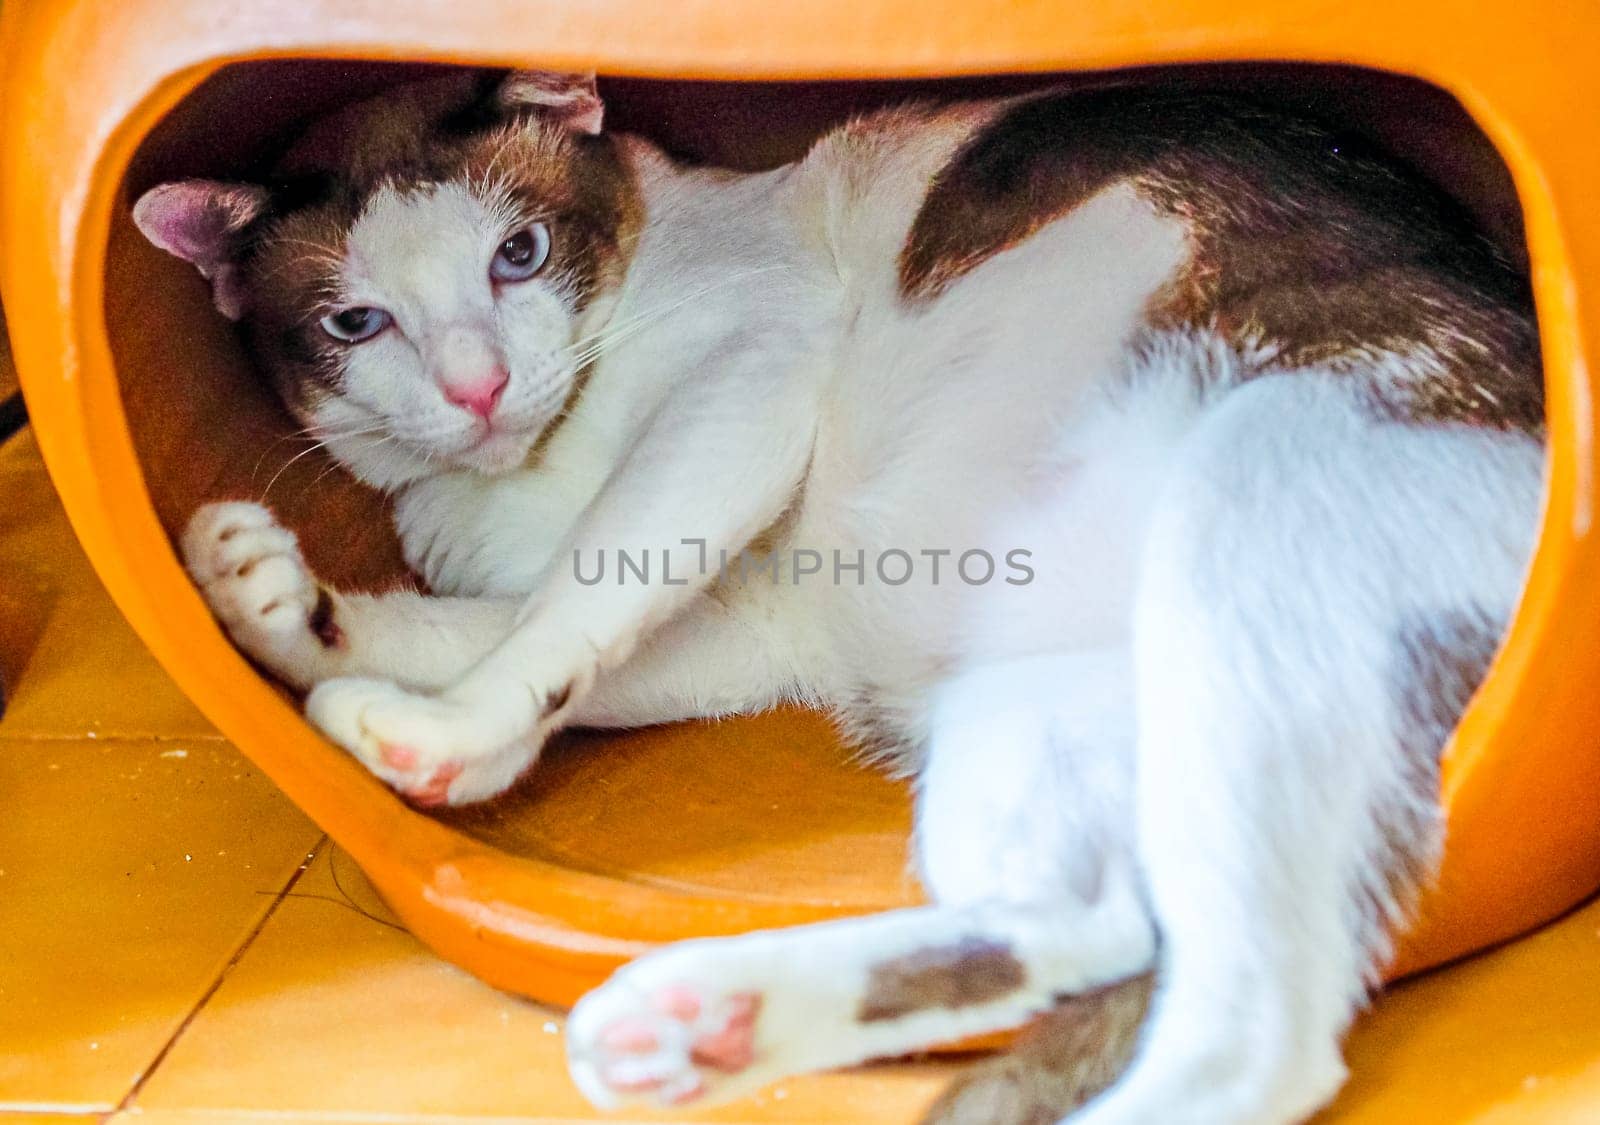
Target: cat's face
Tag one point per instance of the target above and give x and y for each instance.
(419, 276)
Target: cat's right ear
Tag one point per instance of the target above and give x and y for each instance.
(204, 222)
(571, 99)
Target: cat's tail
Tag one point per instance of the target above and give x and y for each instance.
(1064, 1058)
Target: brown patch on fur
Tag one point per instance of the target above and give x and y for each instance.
(1440, 660)
(321, 621)
(1307, 245)
(1065, 1058)
(1443, 658)
(972, 971)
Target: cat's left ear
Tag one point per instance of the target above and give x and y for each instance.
(570, 99)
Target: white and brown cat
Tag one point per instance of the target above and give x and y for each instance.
(1260, 412)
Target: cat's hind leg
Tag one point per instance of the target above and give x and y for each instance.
(1036, 899)
(726, 1016)
(1320, 592)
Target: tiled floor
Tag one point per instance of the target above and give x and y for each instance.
(180, 945)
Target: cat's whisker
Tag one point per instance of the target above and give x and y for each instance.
(286, 466)
(671, 306)
(334, 465)
(298, 435)
(319, 436)
(583, 351)
(316, 436)
(364, 431)
(378, 433)
(309, 433)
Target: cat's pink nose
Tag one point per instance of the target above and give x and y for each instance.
(479, 395)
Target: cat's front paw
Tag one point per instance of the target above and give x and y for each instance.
(250, 570)
(432, 749)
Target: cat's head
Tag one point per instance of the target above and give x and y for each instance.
(418, 272)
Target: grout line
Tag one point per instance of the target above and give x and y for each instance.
(13, 415)
(238, 954)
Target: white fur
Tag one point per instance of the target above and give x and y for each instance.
(423, 255)
(1183, 724)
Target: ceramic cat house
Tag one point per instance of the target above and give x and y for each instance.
(145, 406)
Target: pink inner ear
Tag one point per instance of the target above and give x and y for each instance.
(198, 220)
(584, 116)
(568, 98)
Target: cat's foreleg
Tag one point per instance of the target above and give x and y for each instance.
(250, 570)
(1320, 591)
(717, 657)
(719, 463)
(714, 658)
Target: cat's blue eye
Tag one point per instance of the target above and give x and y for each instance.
(355, 324)
(522, 255)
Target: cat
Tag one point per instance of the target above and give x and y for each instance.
(1226, 431)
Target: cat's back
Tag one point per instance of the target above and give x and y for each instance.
(860, 186)
(1003, 262)
(1304, 243)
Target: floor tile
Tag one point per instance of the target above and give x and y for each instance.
(332, 1014)
(8, 372)
(65, 692)
(130, 874)
(332, 1011)
(34, 542)
(60, 634)
(1509, 1037)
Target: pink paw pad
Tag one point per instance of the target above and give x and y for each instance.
(630, 1036)
(674, 1046)
(398, 757)
(678, 1001)
(733, 1047)
(436, 790)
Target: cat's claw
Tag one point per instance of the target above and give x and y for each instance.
(431, 749)
(671, 1044)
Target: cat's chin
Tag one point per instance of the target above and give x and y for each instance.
(496, 455)
(399, 467)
